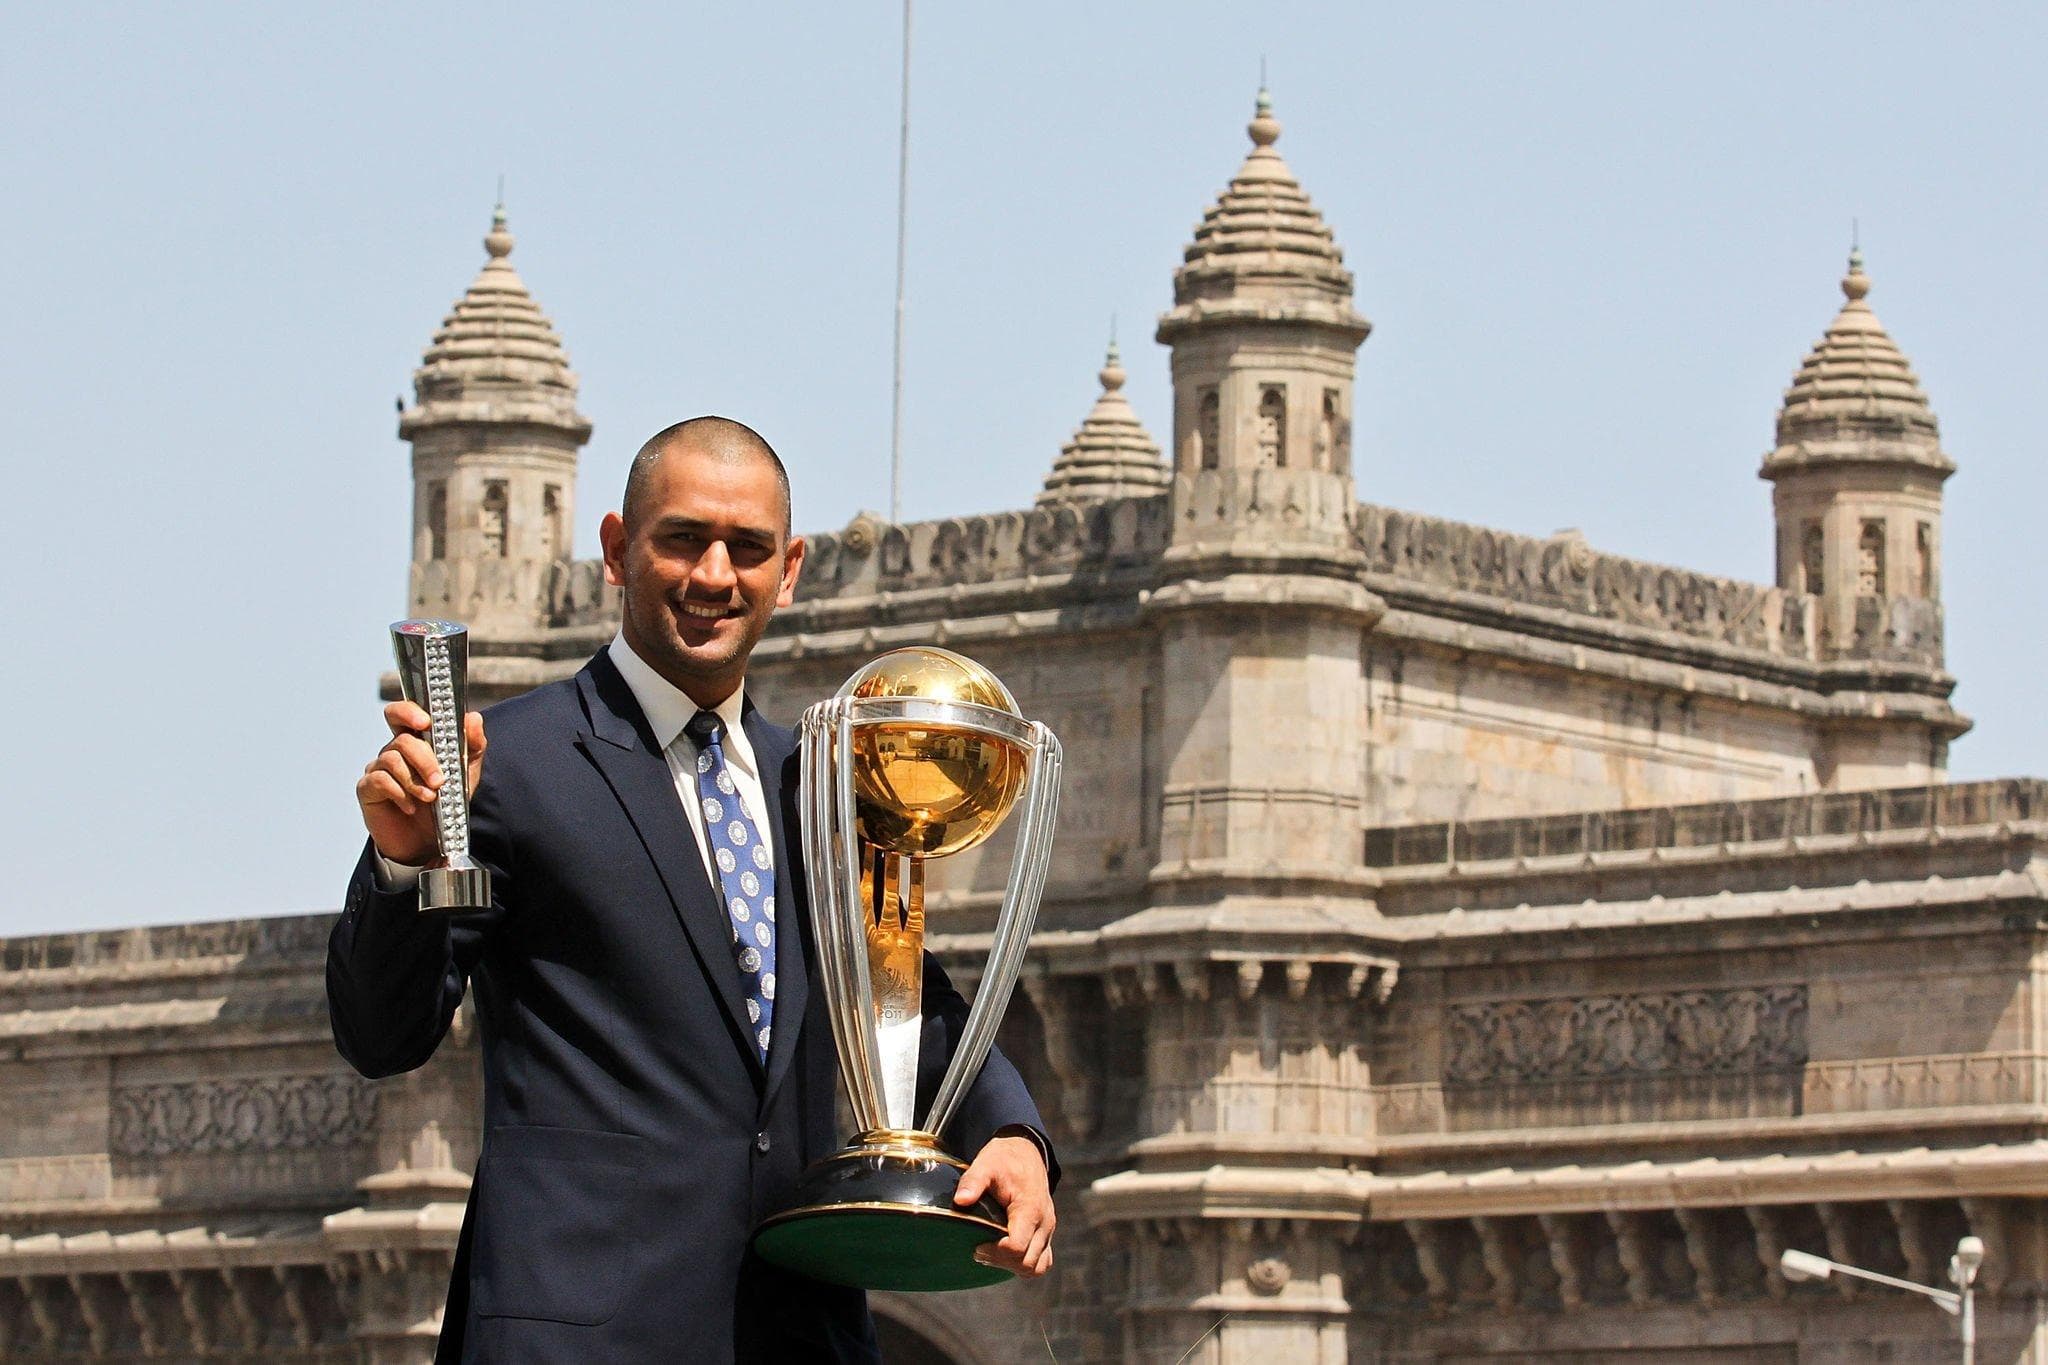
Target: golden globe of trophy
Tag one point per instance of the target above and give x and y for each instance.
(921, 754)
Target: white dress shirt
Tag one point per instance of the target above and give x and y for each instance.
(668, 710)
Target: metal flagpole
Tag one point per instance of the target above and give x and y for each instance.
(902, 217)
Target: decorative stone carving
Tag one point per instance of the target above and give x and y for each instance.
(1743, 1030)
(265, 1114)
(858, 539)
(1267, 1275)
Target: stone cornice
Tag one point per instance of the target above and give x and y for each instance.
(2009, 1169)
(1556, 875)
(1315, 1193)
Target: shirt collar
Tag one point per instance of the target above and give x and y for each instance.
(667, 707)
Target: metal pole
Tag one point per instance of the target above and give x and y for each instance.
(902, 219)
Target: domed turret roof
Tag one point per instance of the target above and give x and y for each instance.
(1111, 455)
(1262, 248)
(1856, 399)
(496, 357)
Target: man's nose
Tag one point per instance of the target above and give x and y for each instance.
(713, 571)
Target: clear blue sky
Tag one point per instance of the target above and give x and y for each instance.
(1595, 241)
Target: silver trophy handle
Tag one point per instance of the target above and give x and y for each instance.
(1013, 929)
(433, 673)
(832, 872)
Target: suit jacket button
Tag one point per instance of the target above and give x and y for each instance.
(761, 1143)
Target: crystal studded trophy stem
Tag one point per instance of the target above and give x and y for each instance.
(889, 780)
(433, 673)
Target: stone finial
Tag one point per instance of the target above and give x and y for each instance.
(1855, 284)
(1112, 372)
(1264, 128)
(430, 1151)
(1111, 455)
(1855, 399)
(498, 242)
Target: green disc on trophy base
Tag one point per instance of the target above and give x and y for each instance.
(880, 1215)
(882, 1249)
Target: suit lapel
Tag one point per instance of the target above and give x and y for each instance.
(622, 747)
(776, 757)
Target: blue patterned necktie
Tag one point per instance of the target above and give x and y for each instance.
(746, 873)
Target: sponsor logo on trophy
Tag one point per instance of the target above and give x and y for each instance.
(433, 673)
(920, 755)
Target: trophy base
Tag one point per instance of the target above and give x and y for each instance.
(880, 1215)
(444, 890)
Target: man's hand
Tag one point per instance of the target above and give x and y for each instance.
(1013, 1170)
(397, 790)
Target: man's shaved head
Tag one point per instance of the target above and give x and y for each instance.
(719, 437)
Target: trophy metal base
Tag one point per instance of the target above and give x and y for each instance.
(880, 1215)
(448, 889)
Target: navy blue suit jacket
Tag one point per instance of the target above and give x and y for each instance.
(632, 1136)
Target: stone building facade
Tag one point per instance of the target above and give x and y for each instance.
(1461, 946)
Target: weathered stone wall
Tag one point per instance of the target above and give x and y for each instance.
(1456, 736)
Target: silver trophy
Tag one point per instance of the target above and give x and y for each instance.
(433, 672)
(921, 754)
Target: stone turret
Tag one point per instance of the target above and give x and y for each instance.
(495, 435)
(1857, 475)
(1111, 455)
(1264, 342)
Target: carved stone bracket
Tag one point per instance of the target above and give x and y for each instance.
(1710, 1256)
(1364, 982)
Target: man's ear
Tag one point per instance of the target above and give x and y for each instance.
(792, 565)
(611, 534)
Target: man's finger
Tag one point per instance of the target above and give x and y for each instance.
(377, 787)
(971, 1185)
(412, 763)
(406, 718)
(419, 757)
(1024, 1221)
(1040, 1248)
(473, 739)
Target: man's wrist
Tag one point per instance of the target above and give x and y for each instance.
(391, 876)
(1036, 1138)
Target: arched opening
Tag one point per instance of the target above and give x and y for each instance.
(1272, 431)
(1209, 431)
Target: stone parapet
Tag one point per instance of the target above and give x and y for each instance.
(1718, 824)
(870, 557)
(1410, 557)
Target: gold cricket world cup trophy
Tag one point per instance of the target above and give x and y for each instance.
(920, 755)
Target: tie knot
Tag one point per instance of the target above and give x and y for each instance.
(705, 727)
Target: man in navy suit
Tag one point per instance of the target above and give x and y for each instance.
(652, 1087)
